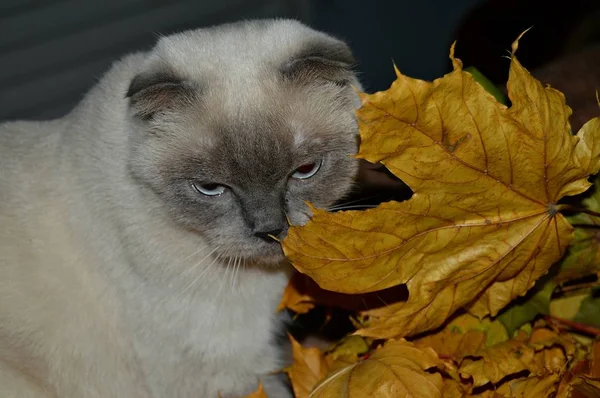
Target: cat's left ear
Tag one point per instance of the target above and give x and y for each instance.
(326, 58)
(151, 92)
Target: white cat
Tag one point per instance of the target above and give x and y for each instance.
(137, 256)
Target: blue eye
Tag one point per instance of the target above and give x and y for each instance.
(307, 170)
(209, 189)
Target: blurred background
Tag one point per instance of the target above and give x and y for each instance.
(53, 51)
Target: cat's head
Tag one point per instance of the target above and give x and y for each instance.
(236, 127)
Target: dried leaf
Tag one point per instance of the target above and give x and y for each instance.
(454, 389)
(259, 393)
(495, 363)
(398, 369)
(463, 336)
(302, 294)
(308, 368)
(482, 224)
(543, 351)
(292, 298)
(531, 387)
(582, 380)
(586, 386)
(349, 346)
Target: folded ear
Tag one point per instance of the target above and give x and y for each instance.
(155, 91)
(326, 58)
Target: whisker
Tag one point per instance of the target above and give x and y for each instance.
(199, 262)
(235, 272)
(201, 274)
(202, 247)
(218, 299)
(225, 277)
(337, 208)
(355, 201)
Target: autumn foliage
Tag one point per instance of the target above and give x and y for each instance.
(498, 247)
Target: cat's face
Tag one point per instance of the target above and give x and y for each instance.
(236, 154)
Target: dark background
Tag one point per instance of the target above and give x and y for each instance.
(52, 51)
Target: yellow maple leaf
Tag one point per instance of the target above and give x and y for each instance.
(483, 222)
(308, 368)
(398, 369)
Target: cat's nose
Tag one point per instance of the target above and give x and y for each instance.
(268, 235)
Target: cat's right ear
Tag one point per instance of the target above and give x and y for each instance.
(152, 92)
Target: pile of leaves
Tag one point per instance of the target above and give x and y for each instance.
(498, 249)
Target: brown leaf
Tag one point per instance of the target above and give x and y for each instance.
(464, 336)
(495, 363)
(587, 386)
(543, 352)
(398, 369)
(583, 379)
(308, 369)
(293, 299)
(482, 224)
(302, 294)
(352, 345)
(531, 387)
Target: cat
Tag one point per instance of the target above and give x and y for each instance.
(139, 252)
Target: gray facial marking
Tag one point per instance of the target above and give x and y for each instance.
(330, 61)
(151, 92)
(253, 124)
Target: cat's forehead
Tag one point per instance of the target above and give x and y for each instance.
(222, 52)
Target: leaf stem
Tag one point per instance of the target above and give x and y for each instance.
(565, 323)
(580, 286)
(579, 210)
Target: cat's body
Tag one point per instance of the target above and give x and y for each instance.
(117, 279)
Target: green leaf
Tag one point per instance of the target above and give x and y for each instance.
(525, 309)
(589, 310)
(487, 85)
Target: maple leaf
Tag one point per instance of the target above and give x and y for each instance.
(483, 222)
(308, 368)
(397, 369)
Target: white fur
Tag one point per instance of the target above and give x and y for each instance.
(101, 294)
